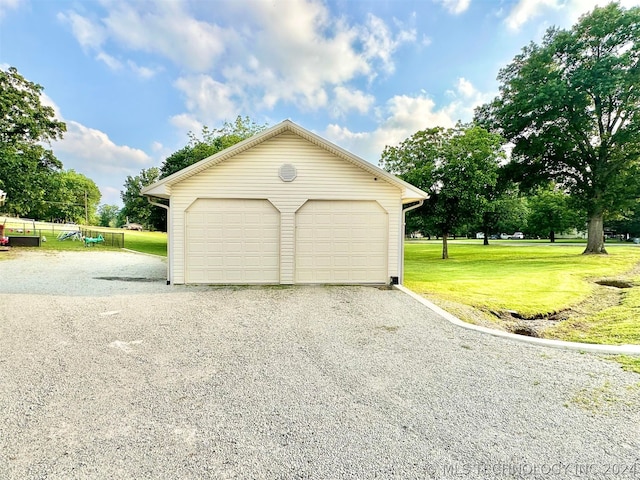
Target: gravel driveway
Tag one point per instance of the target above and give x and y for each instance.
(106, 372)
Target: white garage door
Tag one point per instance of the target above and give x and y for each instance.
(341, 242)
(232, 241)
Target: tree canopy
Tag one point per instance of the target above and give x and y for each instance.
(136, 208)
(108, 215)
(552, 211)
(211, 142)
(72, 197)
(571, 108)
(26, 127)
(457, 167)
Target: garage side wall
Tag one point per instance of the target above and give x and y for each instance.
(254, 174)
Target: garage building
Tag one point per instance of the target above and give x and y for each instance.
(285, 207)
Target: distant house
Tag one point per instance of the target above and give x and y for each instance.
(285, 207)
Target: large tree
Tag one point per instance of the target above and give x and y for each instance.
(571, 108)
(552, 211)
(108, 215)
(26, 128)
(136, 208)
(504, 211)
(209, 143)
(457, 166)
(72, 197)
(627, 224)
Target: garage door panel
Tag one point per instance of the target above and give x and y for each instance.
(341, 242)
(232, 241)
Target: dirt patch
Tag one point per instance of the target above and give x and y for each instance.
(601, 298)
(606, 293)
(130, 279)
(614, 282)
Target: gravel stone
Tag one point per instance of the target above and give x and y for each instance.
(107, 372)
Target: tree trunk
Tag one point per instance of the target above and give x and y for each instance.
(445, 247)
(552, 236)
(485, 241)
(595, 235)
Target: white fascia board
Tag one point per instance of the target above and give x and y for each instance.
(158, 189)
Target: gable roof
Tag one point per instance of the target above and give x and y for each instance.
(162, 188)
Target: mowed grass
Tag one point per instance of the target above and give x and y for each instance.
(535, 280)
(528, 279)
(618, 324)
(154, 243)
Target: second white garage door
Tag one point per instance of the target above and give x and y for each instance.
(341, 242)
(232, 241)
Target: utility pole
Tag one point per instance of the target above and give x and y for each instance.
(86, 209)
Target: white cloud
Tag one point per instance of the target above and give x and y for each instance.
(404, 115)
(570, 10)
(456, 7)
(93, 150)
(89, 34)
(380, 43)
(186, 122)
(576, 8)
(267, 58)
(302, 57)
(116, 65)
(168, 30)
(465, 98)
(6, 5)
(109, 61)
(48, 102)
(526, 10)
(346, 100)
(92, 153)
(93, 35)
(142, 72)
(207, 99)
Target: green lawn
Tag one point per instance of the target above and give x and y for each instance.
(528, 279)
(146, 242)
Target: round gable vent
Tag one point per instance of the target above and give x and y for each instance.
(287, 172)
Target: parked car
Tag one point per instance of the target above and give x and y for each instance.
(517, 236)
(133, 226)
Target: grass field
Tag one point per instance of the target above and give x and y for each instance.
(146, 242)
(531, 280)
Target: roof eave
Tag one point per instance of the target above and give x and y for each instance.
(158, 190)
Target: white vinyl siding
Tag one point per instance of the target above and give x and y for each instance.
(232, 241)
(253, 174)
(341, 242)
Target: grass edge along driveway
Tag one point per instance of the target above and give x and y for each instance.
(553, 286)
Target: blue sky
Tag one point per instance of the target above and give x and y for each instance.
(131, 78)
